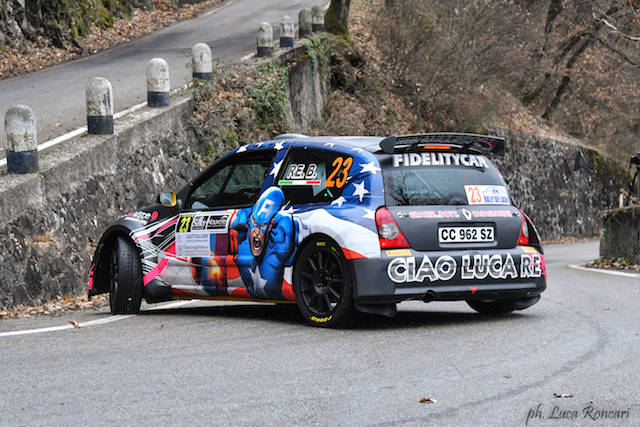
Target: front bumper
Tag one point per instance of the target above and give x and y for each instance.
(405, 274)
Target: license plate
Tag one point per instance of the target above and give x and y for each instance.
(465, 234)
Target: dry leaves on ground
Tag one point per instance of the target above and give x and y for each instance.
(562, 395)
(56, 306)
(427, 400)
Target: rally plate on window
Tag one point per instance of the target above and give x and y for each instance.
(465, 234)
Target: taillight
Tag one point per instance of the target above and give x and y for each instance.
(389, 233)
(523, 240)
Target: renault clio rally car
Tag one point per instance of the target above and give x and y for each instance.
(334, 225)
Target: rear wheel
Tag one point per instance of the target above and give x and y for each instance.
(322, 284)
(125, 278)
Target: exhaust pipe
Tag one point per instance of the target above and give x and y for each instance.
(429, 296)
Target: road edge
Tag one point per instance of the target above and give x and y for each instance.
(604, 271)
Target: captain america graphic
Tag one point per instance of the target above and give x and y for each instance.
(262, 240)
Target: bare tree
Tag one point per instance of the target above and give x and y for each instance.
(336, 20)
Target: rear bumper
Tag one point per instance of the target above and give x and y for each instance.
(400, 275)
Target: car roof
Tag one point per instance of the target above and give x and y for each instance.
(369, 143)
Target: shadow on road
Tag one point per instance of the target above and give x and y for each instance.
(289, 314)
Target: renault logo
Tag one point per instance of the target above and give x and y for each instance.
(466, 214)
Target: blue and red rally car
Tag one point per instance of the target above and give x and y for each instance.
(334, 224)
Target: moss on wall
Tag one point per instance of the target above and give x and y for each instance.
(58, 21)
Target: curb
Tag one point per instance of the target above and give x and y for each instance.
(603, 271)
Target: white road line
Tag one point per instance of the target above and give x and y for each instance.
(603, 271)
(104, 320)
(218, 9)
(83, 129)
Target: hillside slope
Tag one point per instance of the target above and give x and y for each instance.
(423, 65)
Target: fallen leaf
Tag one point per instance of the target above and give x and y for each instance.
(562, 395)
(507, 376)
(427, 400)
(74, 323)
(59, 124)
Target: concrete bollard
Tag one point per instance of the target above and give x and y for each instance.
(201, 62)
(158, 88)
(265, 40)
(99, 94)
(22, 140)
(287, 32)
(305, 25)
(317, 19)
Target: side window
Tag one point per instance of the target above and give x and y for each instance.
(314, 176)
(237, 183)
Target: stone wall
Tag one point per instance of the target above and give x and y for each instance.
(620, 236)
(53, 219)
(561, 201)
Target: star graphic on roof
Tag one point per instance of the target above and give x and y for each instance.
(369, 167)
(329, 144)
(339, 201)
(241, 149)
(368, 214)
(278, 146)
(276, 168)
(360, 191)
(357, 150)
(259, 144)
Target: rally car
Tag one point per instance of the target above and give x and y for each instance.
(335, 225)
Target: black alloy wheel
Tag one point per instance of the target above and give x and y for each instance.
(125, 278)
(322, 284)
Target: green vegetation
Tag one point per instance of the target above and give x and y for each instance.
(240, 105)
(319, 50)
(268, 98)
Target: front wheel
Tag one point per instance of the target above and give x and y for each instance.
(125, 278)
(322, 284)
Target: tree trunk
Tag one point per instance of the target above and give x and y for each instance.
(336, 20)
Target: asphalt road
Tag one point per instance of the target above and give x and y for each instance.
(57, 94)
(248, 364)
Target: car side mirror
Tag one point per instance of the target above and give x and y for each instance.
(168, 199)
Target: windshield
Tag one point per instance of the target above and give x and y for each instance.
(442, 179)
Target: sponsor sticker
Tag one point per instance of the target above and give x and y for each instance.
(439, 159)
(303, 174)
(487, 195)
(472, 267)
(431, 214)
(475, 213)
(195, 233)
(139, 217)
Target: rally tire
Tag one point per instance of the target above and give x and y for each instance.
(125, 278)
(323, 285)
(493, 308)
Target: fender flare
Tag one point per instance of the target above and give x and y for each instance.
(98, 282)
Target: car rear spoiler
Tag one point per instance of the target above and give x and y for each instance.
(465, 141)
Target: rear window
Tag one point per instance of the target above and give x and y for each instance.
(436, 178)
